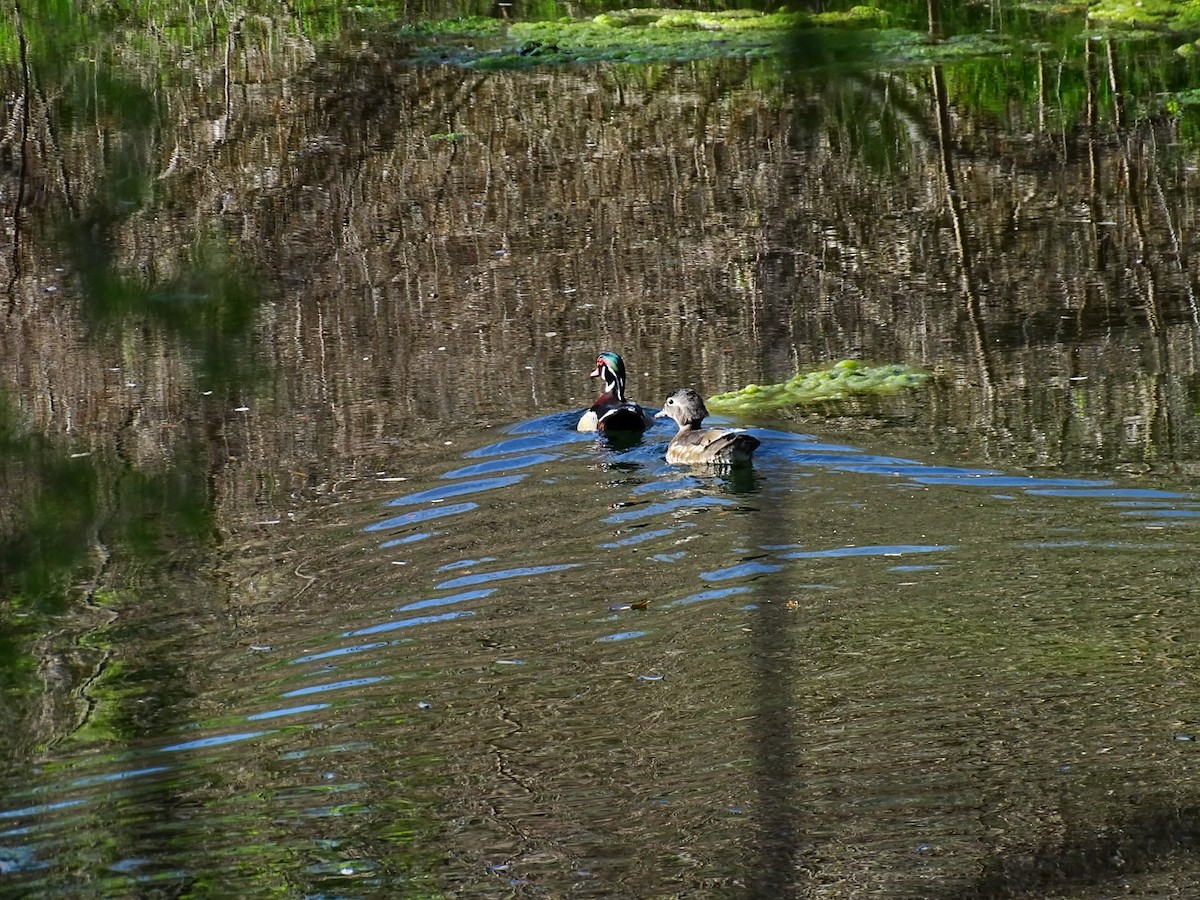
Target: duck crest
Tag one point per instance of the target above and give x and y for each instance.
(695, 445)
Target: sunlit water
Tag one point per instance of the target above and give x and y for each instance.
(540, 664)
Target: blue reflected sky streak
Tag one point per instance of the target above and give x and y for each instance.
(873, 468)
(336, 685)
(657, 487)
(538, 441)
(454, 490)
(644, 536)
(39, 809)
(466, 563)
(1152, 504)
(803, 446)
(219, 740)
(752, 567)
(829, 460)
(1162, 513)
(340, 651)
(620, 636)
(290, 711)
(421, 515)
(893, 550)
(658, 509)
(1111, 493)
(408, 623)
(714, 594)
(1011, 481)
(409, 539)
(446, 601)
(501, 465)
(465, 580)
(118, 776)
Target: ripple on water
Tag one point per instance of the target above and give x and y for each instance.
(466, 563)
(1163, 513)
(1013, 481)
(455, 490)
(287, 711)
(886, 550)
(715, 594)
(656, 487)
(409, 539)
(667, 506)
(397, 624)
(1109, 493)
(644, 536)
(420, 515)
(342, 685)
(531, 659)
(446, 601)
(908, 467)
(498, 574)
(502, 464)
(620, 636)
(741, 570)
(530, 442)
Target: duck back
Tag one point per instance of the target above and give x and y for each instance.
(712, 446)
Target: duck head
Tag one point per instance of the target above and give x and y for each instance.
(611, 368)
(686, 407)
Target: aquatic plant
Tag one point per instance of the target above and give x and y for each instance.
(844, 379)
(631, 35)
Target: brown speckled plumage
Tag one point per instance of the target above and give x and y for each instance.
(694, 445)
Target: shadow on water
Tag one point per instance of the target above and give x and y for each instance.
(95, 537)
(1090, 855)
(780, 844)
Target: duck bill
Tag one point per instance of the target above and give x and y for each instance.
(597, 373)
(661, 414)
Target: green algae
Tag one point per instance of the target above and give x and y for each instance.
(1169, 15)
(654, 35)
(861, 35)
(848, 378)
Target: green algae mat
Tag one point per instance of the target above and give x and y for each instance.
(805, 39)
(848, 378)
(657, 35)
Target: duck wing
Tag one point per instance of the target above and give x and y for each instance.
(625, 417)
(720, 446)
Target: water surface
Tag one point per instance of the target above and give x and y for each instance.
(310, 586)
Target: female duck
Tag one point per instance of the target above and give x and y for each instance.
(612, 411)
(695, 445)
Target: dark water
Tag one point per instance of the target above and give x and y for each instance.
(311, 588)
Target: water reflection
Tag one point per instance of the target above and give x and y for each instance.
(559, 665)
(494, 632)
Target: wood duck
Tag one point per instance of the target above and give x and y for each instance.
(612, 411)
(695, 445)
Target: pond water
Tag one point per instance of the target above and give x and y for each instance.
(311, 588)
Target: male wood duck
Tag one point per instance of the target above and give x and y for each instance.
(612, 411)
(709, 446)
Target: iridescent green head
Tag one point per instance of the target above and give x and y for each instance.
(611, 368)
